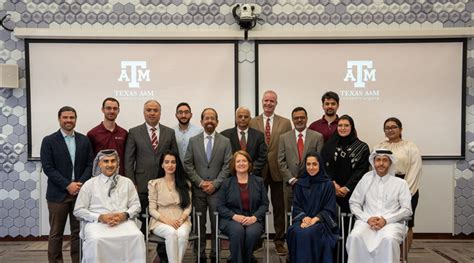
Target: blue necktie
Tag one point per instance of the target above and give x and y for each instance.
(209, 147)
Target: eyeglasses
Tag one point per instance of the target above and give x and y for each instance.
(186, 112)
(390, 128)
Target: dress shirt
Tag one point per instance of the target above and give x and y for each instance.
(71, 147)
(297, 134)
(324, 127)
(94, 200)
(148, 128)
(183, 136)
(246, 132)
(102, 139)
(265, 122)
(386, 196)
(213, 135)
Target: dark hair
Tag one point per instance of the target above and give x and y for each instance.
(330, 95)
(246, 155)
(110, 99)
(299, 109)
(66, 108)
(396, 120)
(183, 104)
(181, 184)
(215, 112)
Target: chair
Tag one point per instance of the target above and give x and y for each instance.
(404, 257)
(342, 238)
(150, 237)
(220, 236)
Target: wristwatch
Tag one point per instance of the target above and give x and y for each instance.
(127, 215)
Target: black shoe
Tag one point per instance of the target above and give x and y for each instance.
(213, 260)
(202, 260)
(253, 259)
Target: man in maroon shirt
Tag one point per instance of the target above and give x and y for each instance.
(327, 125)
(108, 135)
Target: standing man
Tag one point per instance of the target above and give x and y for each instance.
(292, 149)
(108, 135)
(327, 125)
(185, 129)
(273, 126)
(145, 144)
(207, 165)
(66, 158)
(247, 139)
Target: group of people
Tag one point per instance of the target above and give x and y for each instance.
(309, 171)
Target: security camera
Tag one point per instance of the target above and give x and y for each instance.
(245, 16)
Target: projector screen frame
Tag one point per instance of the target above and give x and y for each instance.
(464, 41)
(29, 41)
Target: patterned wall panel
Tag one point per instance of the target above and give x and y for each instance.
(19, 178)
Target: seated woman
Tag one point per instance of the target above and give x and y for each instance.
(170, 206)
(314, 232)
(242, 204)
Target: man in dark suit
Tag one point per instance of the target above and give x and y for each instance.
(273, 126)
(66, 158)
(248, 139)
(293, 147)
(145, 144)
(207, 164)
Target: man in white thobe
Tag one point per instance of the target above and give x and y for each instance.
(106, 205)
(380, 203)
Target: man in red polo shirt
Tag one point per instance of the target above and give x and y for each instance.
(108, 135)
(327, 125)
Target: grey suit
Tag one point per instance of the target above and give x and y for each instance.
(142, 162)
(199, 169)
(290, 165)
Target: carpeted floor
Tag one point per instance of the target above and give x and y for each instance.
(423, 251)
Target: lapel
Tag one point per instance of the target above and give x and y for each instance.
(250, 139)
(234, 138)
(62, 145)
(235, 189)
(161, 138)
(146, 137)
(214, 146)
(275, 128)
(260, 125)
(200, 145)
(294, 143)
(307, 142)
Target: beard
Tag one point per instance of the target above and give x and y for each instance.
(185, 122)
(330, 113)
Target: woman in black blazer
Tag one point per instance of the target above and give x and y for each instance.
(242, 205)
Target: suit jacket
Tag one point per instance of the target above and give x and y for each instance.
(280, 126)
(141, 161)
(229, 202)
(198, 168)
(256, 147)
(290, 165)
(57, 164)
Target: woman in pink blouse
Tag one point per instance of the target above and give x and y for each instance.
(170, 206)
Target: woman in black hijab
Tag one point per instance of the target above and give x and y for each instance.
(313, 233)
(346, 160)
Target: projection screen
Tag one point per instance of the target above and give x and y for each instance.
(422, 82)
(82, 73)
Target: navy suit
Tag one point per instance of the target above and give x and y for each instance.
(256, 147)
(242, 238)
(57, 164)
(58, 167)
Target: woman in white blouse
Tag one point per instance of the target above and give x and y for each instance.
(170, 206)
(408, 165)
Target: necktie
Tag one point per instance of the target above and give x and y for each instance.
(300, 146)
(154, 139)
(209, 147)
(267, 131)
(243, 141)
